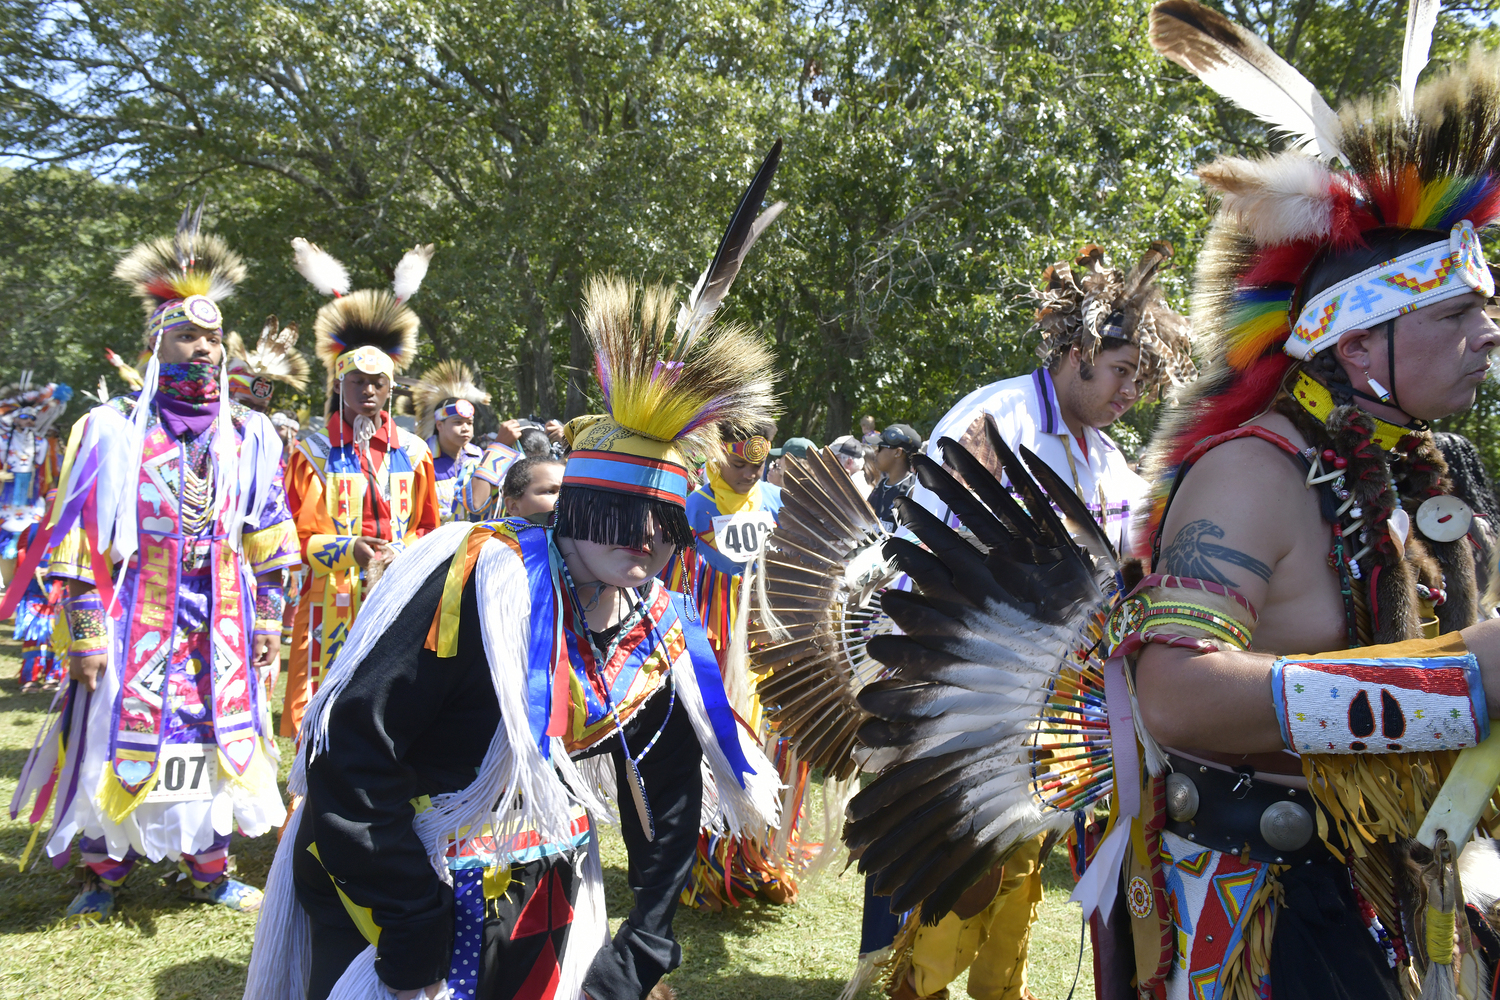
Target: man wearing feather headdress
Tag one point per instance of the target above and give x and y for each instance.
(253, 374)
(1302, 504)
(171, 529)
(363, 488)
(506, 680)
(1109, 339)
(1281, 823)
(445, 399)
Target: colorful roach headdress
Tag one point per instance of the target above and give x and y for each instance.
(1088, 304)
(370, 330)
(668, 384)
(447, 389)
(182, 279)
(253, 374)
(1402, 180)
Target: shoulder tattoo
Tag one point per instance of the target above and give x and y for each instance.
(1193, 551)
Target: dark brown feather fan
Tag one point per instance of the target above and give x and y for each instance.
(823, 574)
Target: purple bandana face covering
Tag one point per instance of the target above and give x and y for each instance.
(187, 397)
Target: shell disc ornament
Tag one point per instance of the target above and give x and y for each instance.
(1444, 518)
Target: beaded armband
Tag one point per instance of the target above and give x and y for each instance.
(1425, 694)
(85, 614)
(1181, 611)
(270, 605)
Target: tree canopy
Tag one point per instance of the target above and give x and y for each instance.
(938, 154)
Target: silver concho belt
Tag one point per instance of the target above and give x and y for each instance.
(1230, 811)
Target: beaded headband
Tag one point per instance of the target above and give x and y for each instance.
(1419, 278)
(457, 408)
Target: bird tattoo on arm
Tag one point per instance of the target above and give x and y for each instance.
(1190, 553)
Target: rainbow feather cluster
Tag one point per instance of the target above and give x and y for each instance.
(1425, 167)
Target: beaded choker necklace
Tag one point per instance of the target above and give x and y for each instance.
(1315, 398)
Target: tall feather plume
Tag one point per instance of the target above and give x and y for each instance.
(668, 383)
(445, 380)
(321, 269)
(1244, 70)
(368, 316)
(373, 317)
(410, 271)
(1421, 19)
(745, 227)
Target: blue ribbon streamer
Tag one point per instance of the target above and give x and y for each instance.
(535, 557)
(711, 684)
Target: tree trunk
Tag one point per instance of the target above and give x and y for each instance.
(580, 358)
(534, 384)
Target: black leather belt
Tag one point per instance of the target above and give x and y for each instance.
(1230, 811)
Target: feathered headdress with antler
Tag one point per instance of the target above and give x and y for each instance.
(372, 330)
(275, 358)
(449, 381)
(181, 279)
(1420, 162)
(670, 378)
(1086, 302)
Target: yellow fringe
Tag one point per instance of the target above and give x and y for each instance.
(1372, 797)
(261, 546)
(897, 965)
(114, 801)
(1249, 962)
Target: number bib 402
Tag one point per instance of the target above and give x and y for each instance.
(742, 537)
(188, 772)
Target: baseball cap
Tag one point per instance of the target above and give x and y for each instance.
(848, 446)
(901, 436)
(798, 447)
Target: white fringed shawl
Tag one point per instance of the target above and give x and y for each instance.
(513, 775)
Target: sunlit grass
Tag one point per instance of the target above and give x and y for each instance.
(164, 948)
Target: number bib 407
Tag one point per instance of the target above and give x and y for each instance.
(188, 772)
(742, 537)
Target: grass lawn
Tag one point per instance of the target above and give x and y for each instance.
(160, 947)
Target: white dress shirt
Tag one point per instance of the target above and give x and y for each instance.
(1026, 411)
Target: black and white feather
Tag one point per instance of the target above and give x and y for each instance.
(991, 721)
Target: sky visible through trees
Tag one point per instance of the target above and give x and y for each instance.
(938, 154)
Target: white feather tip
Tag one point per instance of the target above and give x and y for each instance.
(321, 269)
(1279, 199)
(1421, 19)
(411, 271)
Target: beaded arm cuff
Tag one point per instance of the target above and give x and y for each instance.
(270, 605)
(1424, 694)
(1181, 611)
(86, 627)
